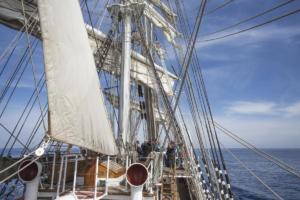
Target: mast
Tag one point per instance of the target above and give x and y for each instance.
(149, 94)
(124, 112)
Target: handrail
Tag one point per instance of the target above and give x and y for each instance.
(106, 180)
(75, 174)
(96, 178)
(63, 169)
(53, 170)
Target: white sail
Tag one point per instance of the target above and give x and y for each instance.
(140, 66)
(12, 16)
(169, 31)
(77, 113)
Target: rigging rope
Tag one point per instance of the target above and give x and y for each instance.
(98, 47)
(9, 132)
(31, 60)
(26, 118)
(10, 80)
(171, 113)
(8, 100)
(252, 27)
(206, 113)
(218, 7)
(14, 41)
(250, 18)
(35, 129)
(15, 173)
(267, 156)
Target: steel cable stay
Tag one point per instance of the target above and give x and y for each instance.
(200, 141)
(213, 152)
(29, 27)
(252, 27)
(208, 114)
(33, 67)
(36, 128)
(10, 96)
(172, 120)
(250, 18)
(201, 102)
(8, 59)
(17, 162)
(186, 36)
(196, 125)
(205, 120)
(253, 174)
(13, 89)
(104, 51)
(190, 50)
(17, 67)
(212, 139)
(194, 109)
(198, 135)
(187, 79)
(221, 156)
(22, 168)
(16, 84)
(15, 125)
(102, 14)
(165, 98)
(11, 78)
(15, 40)
(186, 64)
(218, 7)
(25, 120)
(9, 132)
(263, 154)
(201, 12)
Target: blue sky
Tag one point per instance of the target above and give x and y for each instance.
(252, 78)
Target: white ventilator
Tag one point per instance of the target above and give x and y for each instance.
(29, 173)
(136, 176)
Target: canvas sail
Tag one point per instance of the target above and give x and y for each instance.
(11, 14)
(77, 114)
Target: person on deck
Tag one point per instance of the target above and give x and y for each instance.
(171, 151)
(146, 149)
(138, 149)
(156, 147)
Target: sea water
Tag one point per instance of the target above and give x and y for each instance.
(245, 186)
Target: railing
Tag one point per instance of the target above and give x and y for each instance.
(106, 181)
(63, 169)
(61, 186)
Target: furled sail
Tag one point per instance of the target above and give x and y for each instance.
(169, 31)
(11, 12)
(140, 66)
(77, 114)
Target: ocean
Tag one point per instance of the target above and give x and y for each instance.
(246, 187)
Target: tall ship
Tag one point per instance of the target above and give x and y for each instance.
(104, 116)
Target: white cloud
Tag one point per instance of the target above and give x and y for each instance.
(263, 133)
(292, 110)
(255, 108)
(247, 107)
